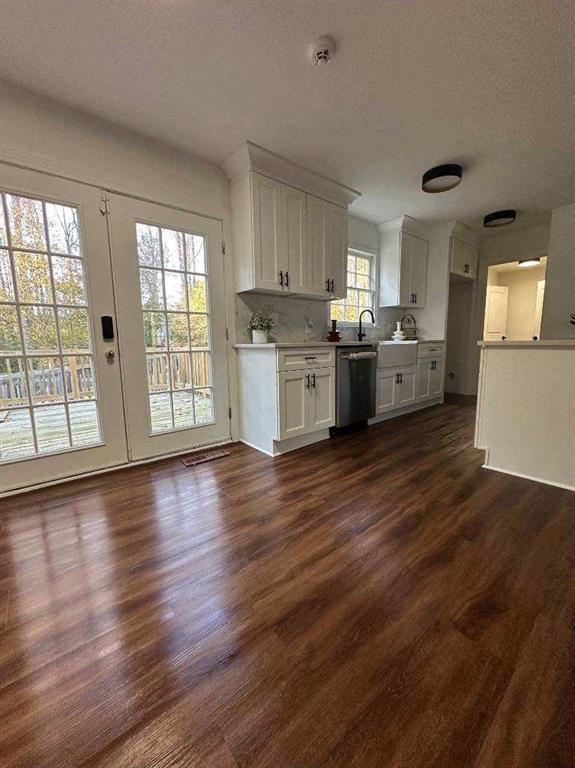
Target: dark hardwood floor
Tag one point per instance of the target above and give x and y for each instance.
(375, 600)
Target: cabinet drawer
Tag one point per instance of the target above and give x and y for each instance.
(431, 349)
(306, 357)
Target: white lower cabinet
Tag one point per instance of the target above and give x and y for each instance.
(396, 388)
(306, 401)
(429, 378)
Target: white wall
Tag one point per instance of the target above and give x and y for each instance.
(500, 248)
(559, 301)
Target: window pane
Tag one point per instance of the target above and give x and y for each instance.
(9, 331)
(69, 281)
(364, 299)
(74, 330)
(13, 387)
(155, 330)
(16, 438)
(158, 374)
(84, 424)
(195, 252)
(362, 281)
(45, 379)
(6, 281)
(352, 296)
(33, 278)
(363, 265)
(51, 428)
(26, 220)
(351, 314)
(175, 290)
(3, 235)
(337, 311)
(39, 325)
(204, 406)
(161, 412)
(79, 377)
(152, 289)
(148, 245)
(181, 371)
(173, 249)
(201, 369)
(351, 263)
(199, 330)
(63, 229)
(197, 293)
(183, 409)
(178, 331)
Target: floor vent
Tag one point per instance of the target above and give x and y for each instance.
(200, 458)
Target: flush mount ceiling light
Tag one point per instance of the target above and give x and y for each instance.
(441, 178)
(499, 218)
(529, 262)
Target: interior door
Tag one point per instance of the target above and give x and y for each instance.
(495, 324)
(538, 307)
(61, 408)
(169, 281)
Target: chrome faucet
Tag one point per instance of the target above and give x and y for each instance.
(361, 333)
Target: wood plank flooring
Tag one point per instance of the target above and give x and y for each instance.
(375, 600)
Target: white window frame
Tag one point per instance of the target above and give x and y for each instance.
(374, 257)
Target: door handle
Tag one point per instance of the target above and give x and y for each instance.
(287, 279)
(313, 380)
(282, 278)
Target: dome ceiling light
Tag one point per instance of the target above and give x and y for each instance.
(499, 218)
(442, 178)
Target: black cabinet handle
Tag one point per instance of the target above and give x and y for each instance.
(466, 268)
(327, 284)
(307, 384)
(333, 286)
(282, 278)
(313, 380)
(287, 279)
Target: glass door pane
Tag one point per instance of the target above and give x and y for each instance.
(51, 376)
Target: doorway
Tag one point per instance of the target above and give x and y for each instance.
(514, 300)
(106, 355)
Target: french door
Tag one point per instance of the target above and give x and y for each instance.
(61, 411)
(169, 279)
(106, 356)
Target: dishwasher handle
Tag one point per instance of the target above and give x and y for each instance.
(359, 356)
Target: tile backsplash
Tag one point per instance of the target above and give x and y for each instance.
(303, 320)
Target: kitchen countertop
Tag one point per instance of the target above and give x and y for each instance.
(529, 343)
(296, 344)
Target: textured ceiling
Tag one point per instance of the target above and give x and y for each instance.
(414, 83)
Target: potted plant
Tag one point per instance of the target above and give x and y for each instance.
(260, 324)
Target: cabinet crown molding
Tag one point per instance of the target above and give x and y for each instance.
(252, 157)
(405, 223)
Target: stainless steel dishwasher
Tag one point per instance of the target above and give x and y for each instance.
(355, 376)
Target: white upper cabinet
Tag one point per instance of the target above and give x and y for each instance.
(403, 267)
(289, 227)
(464, 258)
(327, 249)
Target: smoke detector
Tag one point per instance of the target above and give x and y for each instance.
(321, 50)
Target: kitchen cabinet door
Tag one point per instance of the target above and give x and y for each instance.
(268, 223)
(294, 211)
(418, 285)
(386, 390)
(406, 391)
(423, 370)
(464, 258)
(337, 261)
(436, 378)
(318, 244)
(322, 400)
(293, 403)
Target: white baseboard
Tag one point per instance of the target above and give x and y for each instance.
(530, 477)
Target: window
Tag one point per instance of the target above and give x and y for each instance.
(360, 287)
